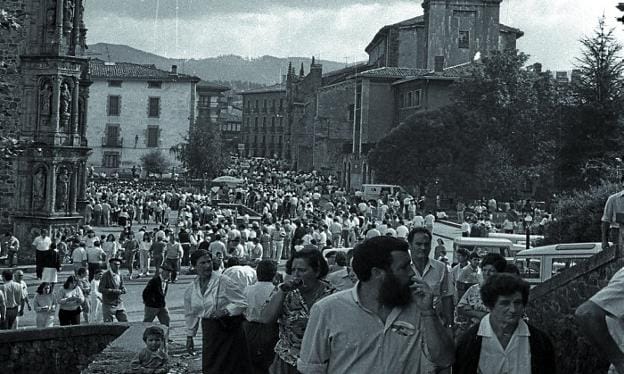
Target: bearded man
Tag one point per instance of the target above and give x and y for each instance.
(385, 324)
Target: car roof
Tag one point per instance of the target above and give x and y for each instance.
(344, 250)
(563, 249)
(482, 241)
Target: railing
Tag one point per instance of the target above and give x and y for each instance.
(109, 142)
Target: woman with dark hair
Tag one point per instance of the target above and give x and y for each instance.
(502, 342)
(219, 303)
(44, 305)
(70, 298)
(110, 247)
(470, 308)
(290, 305)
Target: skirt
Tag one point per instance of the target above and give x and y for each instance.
(224, 348)
(49, 275)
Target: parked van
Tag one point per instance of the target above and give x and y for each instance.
(539, 264)
(380, 191)
(483, 246)
(518, 240)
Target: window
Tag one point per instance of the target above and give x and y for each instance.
(112, 136)
(408, 101)
(256, 124)
(560, 264)
(153, 110)
(273, 124)
(416, 98)
(154, 84)
(464, 40)
(263, 124)
(204, 100)
(153, 133)
(530, 268)
(114, 83)
(111, 160)
(114, 105)
(281, 107)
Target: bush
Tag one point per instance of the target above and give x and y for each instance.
(577, 215)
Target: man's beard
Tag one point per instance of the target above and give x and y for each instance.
(392, 293)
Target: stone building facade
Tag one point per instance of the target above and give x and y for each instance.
(136, 109)
(44, 104)
(265, 131)
(342, 115)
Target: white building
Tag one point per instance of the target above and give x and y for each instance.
(135, 109)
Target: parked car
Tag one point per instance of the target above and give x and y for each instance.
(483, 246)
(539, 264)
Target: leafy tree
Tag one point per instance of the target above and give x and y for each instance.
(489, 141)
(201, 153)
(592, 134)
(155, 162)
(577, 214)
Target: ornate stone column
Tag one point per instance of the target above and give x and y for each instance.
(56, 101)
(74, 188)
(51, 203)
(73, 130)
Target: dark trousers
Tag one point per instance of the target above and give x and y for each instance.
(224, 347)
(261, 340)
(93, 267)
(69, 317)
(10, 318)
(12, 260)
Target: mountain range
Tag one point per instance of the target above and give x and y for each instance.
(239, 71)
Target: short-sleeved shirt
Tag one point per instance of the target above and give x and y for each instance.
(611, 299)
(614, 204)
(436, 276)
(345, 337)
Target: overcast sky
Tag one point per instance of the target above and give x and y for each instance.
(334, 29)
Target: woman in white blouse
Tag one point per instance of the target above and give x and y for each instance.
(219, 303)
(70, 298)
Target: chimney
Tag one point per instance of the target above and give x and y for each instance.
(438, 64)
(174, 69)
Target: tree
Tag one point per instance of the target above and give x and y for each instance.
(201, 152)
(592, 134)
(492, 139)
(155, 162)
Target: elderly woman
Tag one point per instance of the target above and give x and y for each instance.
(44, 305)
(290, 306)
(219, 303)
(70, 298)
(502, 342)
(470, 308)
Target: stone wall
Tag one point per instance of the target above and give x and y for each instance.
(552, 305)
(10, 101)
(65, 350)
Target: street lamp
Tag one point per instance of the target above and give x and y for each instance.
(527, 226)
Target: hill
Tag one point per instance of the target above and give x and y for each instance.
(229, 68)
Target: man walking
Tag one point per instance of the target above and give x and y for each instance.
(14, 295)
(385, 324)
(112, 287)
(154, 296)
(12, 244)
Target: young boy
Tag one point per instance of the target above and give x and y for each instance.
(85, 286)
(152, 359)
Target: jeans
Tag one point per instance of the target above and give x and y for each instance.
(278, 248)
(69, 317)
(108, 312)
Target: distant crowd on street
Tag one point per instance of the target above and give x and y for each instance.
(292, 274)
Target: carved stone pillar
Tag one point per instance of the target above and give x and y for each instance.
(74, 188)
(56, 102)
(52, 188)
(74, 109)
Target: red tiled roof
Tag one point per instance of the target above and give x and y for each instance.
(406, 23)
(504, 28)
(129, 71)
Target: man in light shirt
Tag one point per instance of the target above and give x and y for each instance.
(14, 295)
(261, 337)
(385, 324)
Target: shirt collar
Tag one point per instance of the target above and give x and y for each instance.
(485, 328)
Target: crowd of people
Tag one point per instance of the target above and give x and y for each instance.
(363, 289)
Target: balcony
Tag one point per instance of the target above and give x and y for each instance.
(110, 142)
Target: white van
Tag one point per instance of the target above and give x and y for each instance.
(378, 191)
(539, 264)
(483, 246)
(518, 240)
